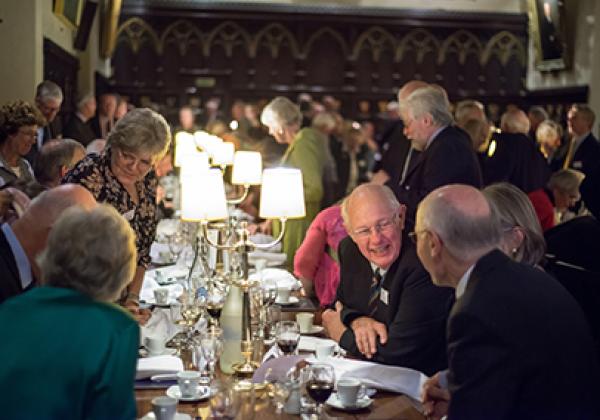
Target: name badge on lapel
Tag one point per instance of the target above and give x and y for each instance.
(577, 164)
(128, 215)
(384, 296)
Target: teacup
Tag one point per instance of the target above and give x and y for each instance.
(283, 294)
(155, 344)
(323, 351)
(164, 408)
(305, 321)
(188, 381)
(349, 391)
(161, 296)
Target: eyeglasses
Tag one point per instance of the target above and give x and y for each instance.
(384, 226)
(131, 159)
(414, 235)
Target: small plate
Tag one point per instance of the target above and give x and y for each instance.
(316, 329)
(203, 392)
(292, 301)
(362, 403)
(168, 352)
(178, 416)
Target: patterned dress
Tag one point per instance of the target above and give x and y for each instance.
(94, 173)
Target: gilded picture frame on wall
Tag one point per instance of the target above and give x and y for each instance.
(547, 20)
(68, 11)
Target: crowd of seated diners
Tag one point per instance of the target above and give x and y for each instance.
(432, 240)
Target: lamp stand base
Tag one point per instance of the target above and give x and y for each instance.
(245, 369)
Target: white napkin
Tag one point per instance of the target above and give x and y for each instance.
(149, 284)
(282, 277)
(388, 378)
(167, 227)
(150, 366)
(261, 238)
(272, 258)
(156, 249)
(159, 325)
(308, 343)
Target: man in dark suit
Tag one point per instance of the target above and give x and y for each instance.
(24, 240)
(387, 310)
(516, 158)
(447, 155)
(48, 99)
(104, 120)
(78, 128)
(584, 150)
(518, 343)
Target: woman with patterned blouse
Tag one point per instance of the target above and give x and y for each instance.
(123, 177)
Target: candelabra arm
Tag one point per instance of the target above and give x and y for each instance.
(224, 247)
(275, 241)
(236, 201)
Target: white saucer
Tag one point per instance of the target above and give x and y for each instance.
(292, 301)
(168, 352)
(316, 329)
(178, 416)
(203, 392)
(334, 401)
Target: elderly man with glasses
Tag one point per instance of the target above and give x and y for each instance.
(386, 307)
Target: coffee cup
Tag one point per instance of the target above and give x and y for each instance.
(155, 344)
(323, 351)
(349, 391)
(188, 381)
(305, 321)
(161, 296)
(283, 294)
(164, 408)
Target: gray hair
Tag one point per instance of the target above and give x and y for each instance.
(566, 181)
(91, 251)
(538, 112)
(515, 121)
(54, 155)
(325, 120)
(48, 90)
(466, 109)
(385, 193)
(465, 236)
(430, 100)
(514, 209)
(83, 100)
(548, 129)
(141, 130)
(281, 112)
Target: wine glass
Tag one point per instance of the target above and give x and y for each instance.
(177, 319)
(211, 346)
(288, 336)
(320, 382)
(278, 390)
(176, 244)
(191, 310)
(224, 402)
(215, 299)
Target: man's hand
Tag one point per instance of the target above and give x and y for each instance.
(332, 321)
(435, 398)
(366, 332)
(141, 315)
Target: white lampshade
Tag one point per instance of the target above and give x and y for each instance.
(203, 197)
(207, 142)
(184, 146)
(193, 164)
(223, 154)
(247, 168)
(282, 194)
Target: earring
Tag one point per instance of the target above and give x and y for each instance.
(514, 252)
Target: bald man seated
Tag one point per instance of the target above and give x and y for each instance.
(518, 343)
(387, 310)
(24, 240)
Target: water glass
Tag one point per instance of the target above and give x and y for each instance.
(211, 346)
(224, 402)
(288, 336)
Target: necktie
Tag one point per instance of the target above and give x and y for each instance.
(569, 156)
(374, 293)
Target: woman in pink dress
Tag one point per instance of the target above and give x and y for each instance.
(316, 262)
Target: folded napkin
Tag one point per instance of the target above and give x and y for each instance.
(150, 366)
(374, 375)
(167, 227)
(308, 343)
(156, 249)
(282, 277)
(277, 368)
(150, 283)
(261, 238)
(272, 258)
(159, 325)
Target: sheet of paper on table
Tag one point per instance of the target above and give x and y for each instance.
(150, 366)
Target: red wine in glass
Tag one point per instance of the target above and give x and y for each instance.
(319, 391)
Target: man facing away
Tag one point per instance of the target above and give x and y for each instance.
(518, 344)
(387, 310)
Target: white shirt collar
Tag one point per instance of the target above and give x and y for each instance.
(464, 281)
(375, 267)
